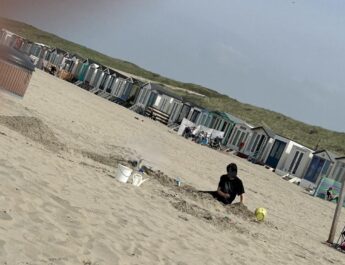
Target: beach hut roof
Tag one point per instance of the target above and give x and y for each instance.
(193, 105)
(76, 56)
(164, 91)
(268, 131)
(58, 50)
(230, 117)
(17, 58)
(289, 139)
(332, 157)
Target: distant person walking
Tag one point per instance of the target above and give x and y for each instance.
(230, 186)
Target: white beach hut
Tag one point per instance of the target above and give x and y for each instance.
(157, 101)
(258, 141)
(320, 166)
(239, 138)
(338, 171)
(287, 156)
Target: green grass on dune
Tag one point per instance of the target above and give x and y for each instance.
(305, 134)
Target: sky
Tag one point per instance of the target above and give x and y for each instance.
(286, 56)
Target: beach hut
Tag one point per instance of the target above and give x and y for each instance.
(221, 121)
(39, 54)
(91, 72)
(257, 143)
(26, 46)
(203, 116)
(16, 70)
(194, 114)
(97, 76)
(10, 39)
(159, 102)
(338, 171)
(320, 166)
(76, 65)
(287, 156)
(122, 88)
(107, 80)
(239, 138)
(57, 57)
(71, 63)
(186, 107)
(6, 38)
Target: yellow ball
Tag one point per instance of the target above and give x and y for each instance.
(260, 214)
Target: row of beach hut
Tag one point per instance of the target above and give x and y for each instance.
(258, 144)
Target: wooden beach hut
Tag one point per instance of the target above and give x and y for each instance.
(186, 107)
(57, 57)
(122, 88)
(159, 103)
(194, 114)
(239, 138)
(16, 70)
(320, 166)
(108, 80)
(91, 73)
(221, 121)
(10, 39)
(258, 140)
(287, 156)
(338, 171)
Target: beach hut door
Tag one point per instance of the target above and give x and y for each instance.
(276, 153)
(295, 162)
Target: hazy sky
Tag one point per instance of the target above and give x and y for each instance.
(287, 56)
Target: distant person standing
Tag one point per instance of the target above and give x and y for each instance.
(230, 186)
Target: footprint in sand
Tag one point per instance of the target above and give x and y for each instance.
(240, 241)
(5, 216)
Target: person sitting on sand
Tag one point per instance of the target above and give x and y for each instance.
(230, 186)
(330, 195)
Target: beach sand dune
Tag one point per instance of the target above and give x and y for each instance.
(60, 203)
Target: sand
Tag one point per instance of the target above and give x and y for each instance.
(60, 203)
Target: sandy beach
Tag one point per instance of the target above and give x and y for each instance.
(60, 204)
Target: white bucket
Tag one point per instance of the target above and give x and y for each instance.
(123, 173)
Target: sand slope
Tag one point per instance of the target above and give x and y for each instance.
(60, 205)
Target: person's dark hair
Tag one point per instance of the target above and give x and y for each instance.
(231, 167)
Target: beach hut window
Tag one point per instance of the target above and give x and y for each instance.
(111, 82)
(195, 116)
(232, 135)
(314, 169)
(236, 137)
(293, 161)
(326, 168)
(255, 143)
(158, 100)
(224, 126)
(241, 139)
(101, 86)
(339, 175)
(262, 141)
